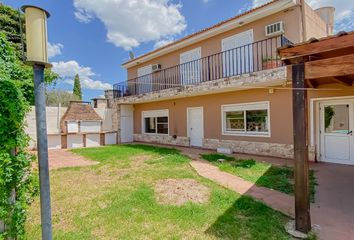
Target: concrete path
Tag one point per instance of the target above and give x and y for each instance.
(274, 199)
(333, 210)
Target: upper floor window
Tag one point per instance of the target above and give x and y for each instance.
(144, 81)
(191, 66)
(238, 53)
(246, 119)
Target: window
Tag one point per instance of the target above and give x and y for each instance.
(191, 66)
(155, 122)
(246, 119)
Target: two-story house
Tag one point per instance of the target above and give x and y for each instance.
(224, 86)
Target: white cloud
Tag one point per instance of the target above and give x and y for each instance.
(54, 49)
(132, 22)
(344, 15)
(163, 42)
(69, 69)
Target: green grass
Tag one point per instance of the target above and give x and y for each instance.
(115, 200)
(261, 173)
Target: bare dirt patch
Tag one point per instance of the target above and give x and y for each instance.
(138, 160)
(63, 158)
(180, 191)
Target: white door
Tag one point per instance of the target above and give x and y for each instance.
(191, 66)
(195, 126)
(336, 132)
(144, 81)
(126, 123)
(238, 54)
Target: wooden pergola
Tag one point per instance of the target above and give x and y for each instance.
(313, 63)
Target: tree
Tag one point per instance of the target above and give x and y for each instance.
(56, 97)
(77, 87)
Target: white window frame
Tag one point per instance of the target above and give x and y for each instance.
(77, 127)
(155, 114)
(244, 107)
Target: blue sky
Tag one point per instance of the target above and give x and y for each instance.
(93, 37)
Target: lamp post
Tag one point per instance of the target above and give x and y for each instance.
(36, 40)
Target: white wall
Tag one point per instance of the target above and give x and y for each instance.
(90, 126)
(54, 141)
(126, 121)
(93, 140)
(54, 115)
(110, 138)
(106, 115)
(75, 141)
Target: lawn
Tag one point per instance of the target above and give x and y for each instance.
(115, 199)
(280, 178)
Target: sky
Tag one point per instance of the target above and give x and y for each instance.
(93, 37)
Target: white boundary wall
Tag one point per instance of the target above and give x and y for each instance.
(54, 115)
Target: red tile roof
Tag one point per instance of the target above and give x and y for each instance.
(202, 31)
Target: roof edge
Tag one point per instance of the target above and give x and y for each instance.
(226, 25)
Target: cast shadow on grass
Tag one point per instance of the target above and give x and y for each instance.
(249, 219)
(279, 178)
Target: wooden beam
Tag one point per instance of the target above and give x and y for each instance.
(310, 83)
(325, 45)
(342, 80)
(331, 67)
(301, 168)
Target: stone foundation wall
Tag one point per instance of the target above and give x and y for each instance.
(258, 148)
(162, 139)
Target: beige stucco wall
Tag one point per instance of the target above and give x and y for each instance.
(315, 26)
(280, 112)
(291, 19)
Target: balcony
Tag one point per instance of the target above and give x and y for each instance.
(254, 57)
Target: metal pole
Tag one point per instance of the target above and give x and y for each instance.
(42, 146)
(301, 171)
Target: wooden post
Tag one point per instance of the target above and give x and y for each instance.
(301, 171)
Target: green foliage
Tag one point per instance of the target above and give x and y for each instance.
(15, 162)
(56, 97)
(280, 178)
(77, 87)
(329, 113)
(11, 21)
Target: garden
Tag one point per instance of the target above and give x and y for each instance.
(146, 192)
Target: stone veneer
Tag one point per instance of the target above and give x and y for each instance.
(258, 148)
(162, 139)
(116, 120)
(271, 77)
